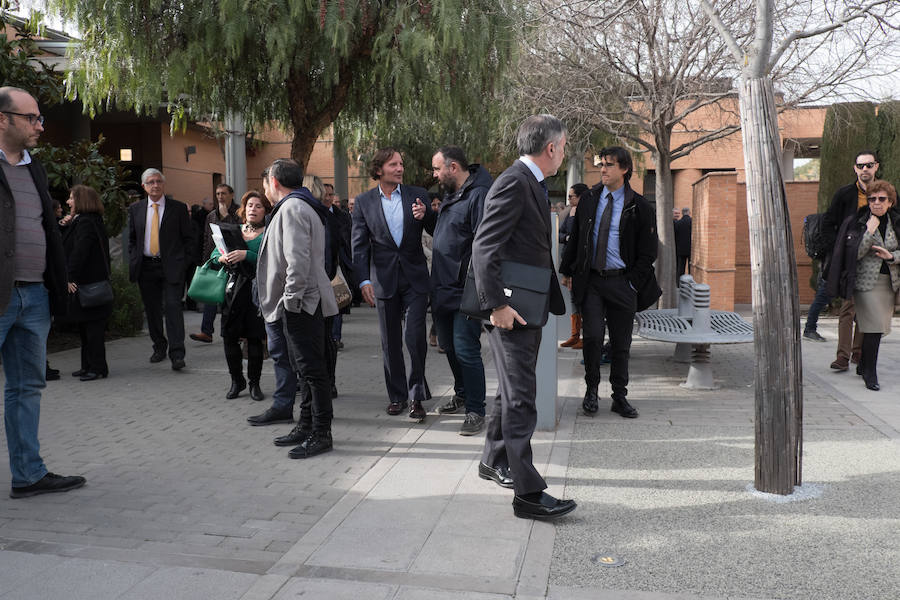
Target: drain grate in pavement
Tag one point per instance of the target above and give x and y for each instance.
(607, 560)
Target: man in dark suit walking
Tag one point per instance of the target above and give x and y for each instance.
(159, 237)
(516, 227)
(390, 266)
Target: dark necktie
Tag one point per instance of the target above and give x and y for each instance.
(546, 192)
(603, 234)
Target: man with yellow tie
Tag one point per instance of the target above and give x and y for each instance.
(159, 237)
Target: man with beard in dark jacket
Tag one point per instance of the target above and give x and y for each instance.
(458, 335)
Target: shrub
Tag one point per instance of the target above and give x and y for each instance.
(127, 317)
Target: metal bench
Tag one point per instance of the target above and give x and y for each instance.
(693, 327)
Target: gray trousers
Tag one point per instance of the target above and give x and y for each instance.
(512, 415)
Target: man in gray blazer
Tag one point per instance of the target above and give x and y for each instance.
(516, 227)
(295, 296)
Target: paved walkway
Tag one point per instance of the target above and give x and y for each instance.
(185, 501)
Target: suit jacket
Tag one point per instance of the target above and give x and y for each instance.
(376, 257)
(176, 239)
(638, 243)
(516, 227)
(683, 236)
(290, 270)
(55, 270)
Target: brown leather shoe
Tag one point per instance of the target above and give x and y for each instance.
(395, 408)
(201, 337)
(417, 412)
(840, 364)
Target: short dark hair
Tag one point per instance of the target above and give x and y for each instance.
(579, 189)
(454, 154)
(6, 101)
(328, 185)
(287, 172)
(621, 156)
(536, 132)
(382, 155)
(865, 151)
(87, 200)
(226, 186)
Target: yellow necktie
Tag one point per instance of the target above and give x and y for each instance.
(154, 231)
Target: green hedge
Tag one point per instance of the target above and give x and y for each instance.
(849, 128)
(889, 141)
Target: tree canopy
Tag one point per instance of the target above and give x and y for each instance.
(298, 62)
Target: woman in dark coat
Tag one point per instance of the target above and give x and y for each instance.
(87, 261)
(240, 315)
(866, 264)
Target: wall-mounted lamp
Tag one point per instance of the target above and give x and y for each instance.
(125, 154)
(188, 150)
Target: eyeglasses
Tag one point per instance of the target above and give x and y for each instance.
(32, 118)
(608, 164)
(153, 182)
(877, 198)
(867, 165)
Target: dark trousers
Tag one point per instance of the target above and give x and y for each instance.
(608, 303)
(460, 339)
(161, 297)
(868, 360)
(234, 356)
(391, 311)
(207, 324)
(93, 346)
(819, 302)
(681, 265)
(304, 336)
(513, 414)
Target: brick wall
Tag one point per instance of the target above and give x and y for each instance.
(720, 249)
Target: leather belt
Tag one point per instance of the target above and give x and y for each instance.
(608, 272)
(153, 259)
(24, 283)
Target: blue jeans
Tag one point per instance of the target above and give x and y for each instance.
(23, 345)
(337, 326)
(819, 302)
(285, 377)
(460, 338)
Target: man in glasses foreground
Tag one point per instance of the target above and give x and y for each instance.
(32, 285)
(846, 201)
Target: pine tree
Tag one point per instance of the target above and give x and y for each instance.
(848, 128)
(298, 62)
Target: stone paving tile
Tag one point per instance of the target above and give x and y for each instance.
(172, 466)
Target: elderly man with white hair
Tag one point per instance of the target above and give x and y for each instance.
(159, 239)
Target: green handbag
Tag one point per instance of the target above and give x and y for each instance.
(208, 284)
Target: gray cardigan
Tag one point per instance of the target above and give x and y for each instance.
(868, 264)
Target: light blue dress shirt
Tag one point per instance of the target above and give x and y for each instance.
(26, 158)
(613, 255)
(393, 213)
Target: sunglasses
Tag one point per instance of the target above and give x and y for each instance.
(877, 198)
(867, 165)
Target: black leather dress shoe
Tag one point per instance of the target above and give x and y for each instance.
(255, 392)
(502, 476)
(50, 483)
(318, 442)
(621, 406)
(417, 412)
(237, 386)
(271, 417)
(296, 436)
(395, 408)
(89, 376)
(158, 356)
(873, 386)
(547, 507)
(591, 403)
(177, 364)
(79, 372)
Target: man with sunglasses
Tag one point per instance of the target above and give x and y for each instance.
(32, 286)
(846, 201)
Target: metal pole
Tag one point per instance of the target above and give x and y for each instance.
(235, 154)
(547, 376)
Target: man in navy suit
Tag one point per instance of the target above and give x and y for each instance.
(387, 256)
(160, 237)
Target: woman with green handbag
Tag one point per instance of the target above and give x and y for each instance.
(240, 315)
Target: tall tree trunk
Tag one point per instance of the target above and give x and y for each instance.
(665, 200)
(776, 311)
(575, 169)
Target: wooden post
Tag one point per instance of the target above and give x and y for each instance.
(776, 311)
